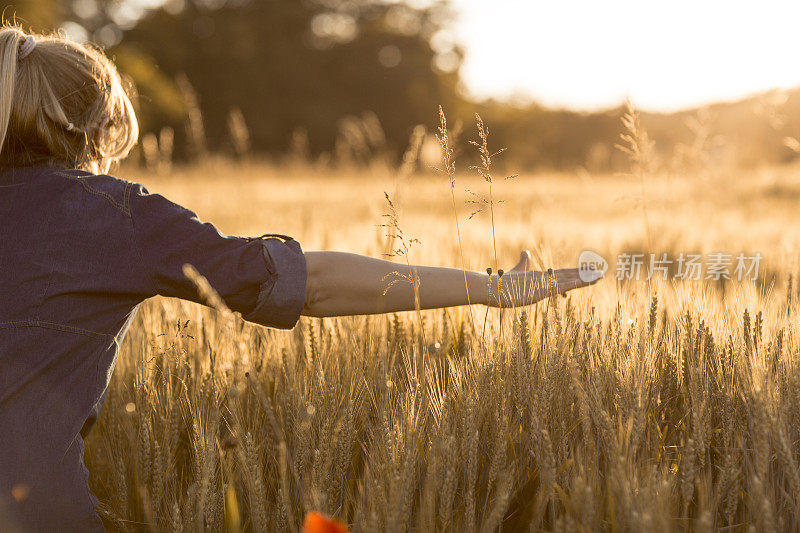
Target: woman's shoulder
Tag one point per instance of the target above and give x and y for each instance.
(124, 195)
(106, 187)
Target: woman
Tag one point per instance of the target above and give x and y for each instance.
(80, 250)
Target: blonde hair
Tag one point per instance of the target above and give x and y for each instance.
(61, 102)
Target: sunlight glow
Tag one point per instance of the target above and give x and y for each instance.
(665, 56)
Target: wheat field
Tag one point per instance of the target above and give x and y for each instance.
(644, 405)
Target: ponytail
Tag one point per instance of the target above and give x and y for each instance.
(10, 40)
(61, 101)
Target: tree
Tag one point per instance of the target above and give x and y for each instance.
(291, 64)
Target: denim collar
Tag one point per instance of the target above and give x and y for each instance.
(20, 175)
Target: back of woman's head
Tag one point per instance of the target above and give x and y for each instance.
(61, 101)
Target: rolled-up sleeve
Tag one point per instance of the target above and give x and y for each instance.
(264, 279)
(281, 298)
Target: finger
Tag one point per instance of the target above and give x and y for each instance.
(570, 279)
(565, 286)
(588, 277)
(524, 263)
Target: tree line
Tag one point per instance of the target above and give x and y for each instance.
(351, 79)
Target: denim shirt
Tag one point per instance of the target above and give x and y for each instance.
(78, 253)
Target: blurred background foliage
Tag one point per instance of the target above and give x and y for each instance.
(346, 81)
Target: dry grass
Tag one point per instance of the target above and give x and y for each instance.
(628, 407)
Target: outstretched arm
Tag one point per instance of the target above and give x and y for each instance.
(348, 284)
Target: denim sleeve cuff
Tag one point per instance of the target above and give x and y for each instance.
(282, 296)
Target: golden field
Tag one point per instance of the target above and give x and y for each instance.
(628, 406)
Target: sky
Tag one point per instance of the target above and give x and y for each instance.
(593, 54)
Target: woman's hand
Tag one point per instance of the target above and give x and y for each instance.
(524, 286)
